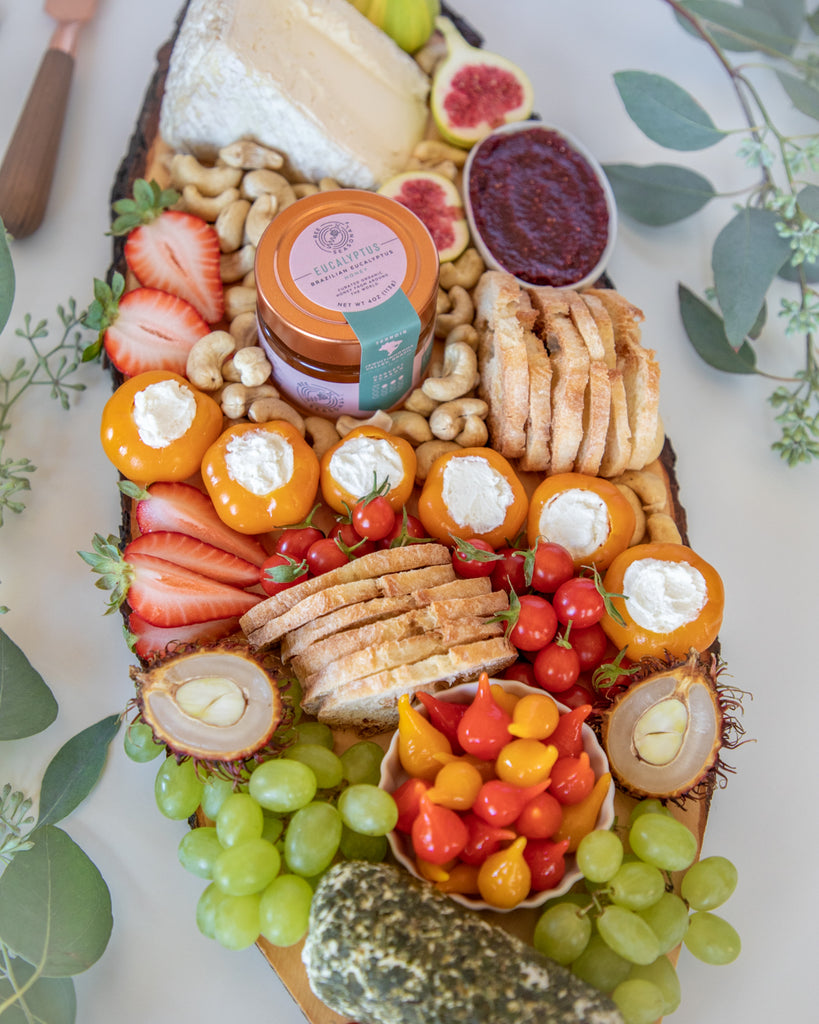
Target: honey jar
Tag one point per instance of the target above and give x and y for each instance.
(347, 282)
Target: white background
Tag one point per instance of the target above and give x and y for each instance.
(748, 514)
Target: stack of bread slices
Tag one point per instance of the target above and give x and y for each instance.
(391, 622)
(569, 385)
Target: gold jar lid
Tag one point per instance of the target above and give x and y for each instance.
(335, 252)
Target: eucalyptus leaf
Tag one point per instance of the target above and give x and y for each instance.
(747, 256)
(74, 770)
(27, 705)
(50, 1000)
(812, 21)
(745, 28)
(658, 194)
(706, 333)
(803, 96)
(807, 200)
(6, 277)
(55, 908)
(665, 112)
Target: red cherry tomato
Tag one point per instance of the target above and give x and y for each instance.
(404, 529)
(325, 555)
(467, 560)
(510, 572)
(373, 519)
(580, 602)
(552, 565)
(556, 667)
(546, 862)
(591, 645)
(346, 533)
(536, 624)
(522, 671)
(295, 541)
(280, 572)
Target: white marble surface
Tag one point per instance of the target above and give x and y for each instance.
(751, 516)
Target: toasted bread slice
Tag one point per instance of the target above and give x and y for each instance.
(412, 556)
(323, 601)
(391, 654)
(536, 455)
(299, 640)
(617, 452)
(393, 627)
(596, 416)
(586, 324)
(370, 705)
(605, 328)
(500, 313)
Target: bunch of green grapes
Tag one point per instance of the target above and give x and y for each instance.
(276, 834)
(615, 929)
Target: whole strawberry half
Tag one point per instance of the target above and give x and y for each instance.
(171, 250)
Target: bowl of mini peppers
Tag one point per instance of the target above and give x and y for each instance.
(496, 784)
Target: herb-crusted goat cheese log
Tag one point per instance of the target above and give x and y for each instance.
(383, 948)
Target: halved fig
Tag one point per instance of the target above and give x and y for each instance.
(435, 200)
(216, 704)
(474, 90)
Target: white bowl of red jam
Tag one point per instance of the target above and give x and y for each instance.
(552, 866)
(539, 206)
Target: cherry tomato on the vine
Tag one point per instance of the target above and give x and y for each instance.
(591, 644)
(325, 555)
(295, 541)
(346, 533)
(468, 559)
(404, 530)
(522, 671)
(580, 602)
(510, 572)
(556, 667)
(552, 565)
(279, 572)
(536, 623)
(373, 518)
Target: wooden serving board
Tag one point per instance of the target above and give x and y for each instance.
(148, 157)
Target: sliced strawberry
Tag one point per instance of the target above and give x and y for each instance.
(149, 640)
(183, 508)
(160, 592)
(192, 553)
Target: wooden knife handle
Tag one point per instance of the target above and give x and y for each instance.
(28, 167)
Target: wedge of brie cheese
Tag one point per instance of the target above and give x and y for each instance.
(311, 78)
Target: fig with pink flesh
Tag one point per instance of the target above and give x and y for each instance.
(474, 91)
(435, 200)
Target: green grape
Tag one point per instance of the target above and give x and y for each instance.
(177, 788)
(668, 919)
(639, 1001)
(562, 933)
(247, 867)
(600, 966)
(214, 793)
(362, 763)
(355, 846)
(368, 809)
(600, 855)
(662, 974)
(240, 818)
(206, 906)
(648, 806)
(236, 921)
(139, 743)
(636, 885)
(197, 851)
(628, 935)
(712, 939)
(272, 828)
(285, 909)
(312, 839)
(325, 765)
(708, 883)
(663, 841)
(315, 732)
(283, 786)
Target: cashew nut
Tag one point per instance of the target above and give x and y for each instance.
(462, 421)
(448, 168)
(251, 365)
(305, 188)
(427, 453)
(245, 329)
(260, 214)
(412, 426)
(234, 265)
(465, 333)
(443, 303)
(207, 207)
(661, 527)
(420, 402)
(436, 150)
(321, 433)
(250, 155)
(328, 185)
(211, 181)
(464, 271)
(230, 225)
(265, 182)
(237, 398)
(239, 299)
(460, 373)
(648, 487)
(380, 419)
(637, 507)
(205, 359)
(263, 410)
(462, 311)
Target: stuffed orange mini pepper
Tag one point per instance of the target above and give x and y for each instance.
(364, 460)
(669, 599)
(157, 426)
(261, 476)
(472, 492)
(586, 514)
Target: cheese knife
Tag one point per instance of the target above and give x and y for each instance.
(28, 166)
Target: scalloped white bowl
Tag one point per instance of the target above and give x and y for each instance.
(393, 775)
